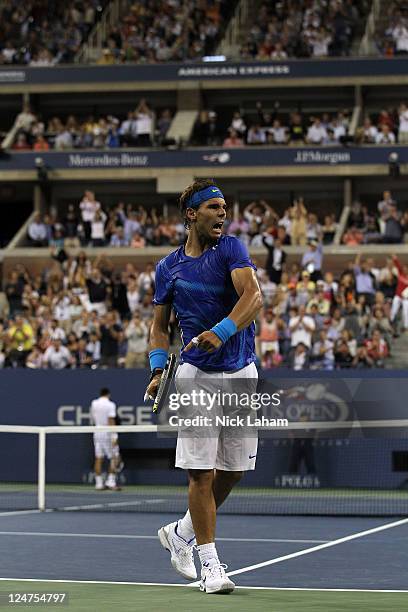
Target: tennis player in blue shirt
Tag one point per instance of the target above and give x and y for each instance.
(210, 283)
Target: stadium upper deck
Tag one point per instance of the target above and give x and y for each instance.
(120, 31)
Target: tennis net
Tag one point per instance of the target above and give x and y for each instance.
(343, 469)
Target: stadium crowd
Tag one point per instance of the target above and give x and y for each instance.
(89, 225)
(136, 226)
(76, 314)
(154, 31)
(303, 29)
(80, 313)
(145, 126)
(385, 127)
(275, 127)
(316, 321)
(264, 127)
(140, 128)
(391, 37)
(386, 224)
(41, 33)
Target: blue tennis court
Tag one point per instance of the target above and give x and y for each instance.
(359, 555)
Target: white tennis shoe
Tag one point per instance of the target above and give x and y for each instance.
(99, 484)
(182, 556)
(215, 580)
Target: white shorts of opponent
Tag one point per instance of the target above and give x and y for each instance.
(223, 447)
(105, 444)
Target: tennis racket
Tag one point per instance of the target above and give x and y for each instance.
(165, 382)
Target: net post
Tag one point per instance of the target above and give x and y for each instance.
(41, 468)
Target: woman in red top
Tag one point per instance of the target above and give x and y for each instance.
(269, 332)
(377, 348)
(401, 293)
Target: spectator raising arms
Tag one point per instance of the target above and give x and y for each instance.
(88, 207)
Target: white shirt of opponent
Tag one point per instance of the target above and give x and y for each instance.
(102, 409)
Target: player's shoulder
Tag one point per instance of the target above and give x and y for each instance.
(227, 241)
(168, 262)
(231, 245)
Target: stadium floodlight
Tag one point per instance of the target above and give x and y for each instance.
(214, 58)
(393, 165)
(42, 173)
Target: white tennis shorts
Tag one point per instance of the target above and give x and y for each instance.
(223, 447)
(104, 443)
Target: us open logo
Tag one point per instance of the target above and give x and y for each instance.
(313, 402)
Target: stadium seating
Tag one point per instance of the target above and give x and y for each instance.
(102, 153)
(45, 33)
(140, 127)
(75, 301)
(161, 31)
(303, 29)
(391, 35)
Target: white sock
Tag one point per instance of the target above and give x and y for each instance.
(98, 480)
(185, 528)
(208, 554)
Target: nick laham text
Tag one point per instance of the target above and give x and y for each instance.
(227, 421)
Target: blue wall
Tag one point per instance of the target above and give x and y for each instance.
(207, 158)
(62, 398)
(340, 67)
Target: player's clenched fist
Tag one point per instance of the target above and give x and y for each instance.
(207, 341)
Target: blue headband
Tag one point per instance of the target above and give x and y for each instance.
(203, 195)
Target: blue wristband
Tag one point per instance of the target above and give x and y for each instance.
(224, 329)
(158, 358)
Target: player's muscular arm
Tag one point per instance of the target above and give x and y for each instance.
(250, 297)
(243, 313)
(159, 338)
(159, 333)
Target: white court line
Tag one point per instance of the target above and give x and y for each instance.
(307, 551)
(110, 505)
(17, 512)
(87, 507)
(55, 534)
(164, 584)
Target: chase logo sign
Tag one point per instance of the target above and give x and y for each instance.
(128, 415)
